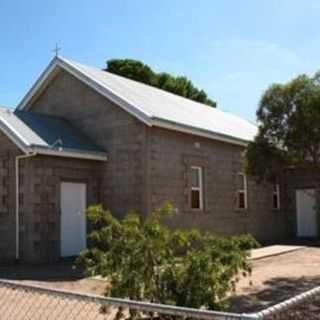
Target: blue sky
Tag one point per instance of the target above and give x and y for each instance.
(232, 49)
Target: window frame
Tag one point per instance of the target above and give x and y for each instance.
(276, 192)
(243, 191)
(200, 188)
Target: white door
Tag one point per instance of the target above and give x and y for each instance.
(73, 218)
(306, 213)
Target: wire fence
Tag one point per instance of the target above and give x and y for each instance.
(24, 301)
(20, 301)
(304, 306)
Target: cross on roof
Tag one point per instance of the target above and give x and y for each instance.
(56, 50)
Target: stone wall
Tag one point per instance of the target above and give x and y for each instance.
(116, 131)
(40, 202)
(148, 166)
(172, 154)
(8, 153)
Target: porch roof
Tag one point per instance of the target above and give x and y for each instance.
(51, 135)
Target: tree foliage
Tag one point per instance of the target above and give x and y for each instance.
(145, 260)
(136, 70)
(289, 128)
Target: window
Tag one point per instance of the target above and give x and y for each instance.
(276, 197)
(242, 191)
(196, 188)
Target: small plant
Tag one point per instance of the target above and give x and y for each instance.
(143, 259)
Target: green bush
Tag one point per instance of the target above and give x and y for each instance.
(143, 259)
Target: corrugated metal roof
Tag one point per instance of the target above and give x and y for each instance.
(52, 129)
(157, 104)
(19, 129)
(34, 129)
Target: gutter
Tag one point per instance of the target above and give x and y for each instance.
(71, 153)
(17, 161)
(172, 125)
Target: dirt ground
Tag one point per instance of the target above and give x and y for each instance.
(273, 280)
(59, 276)
(278, 278)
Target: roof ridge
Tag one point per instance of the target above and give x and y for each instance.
(137, 82)
(151, 105)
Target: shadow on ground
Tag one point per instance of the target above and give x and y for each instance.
(311, 243)
(63, 271)
(278, 289)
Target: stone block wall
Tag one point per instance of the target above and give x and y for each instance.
(148, 166)
(172, 154)
(115, 130)
(8, 153)
(40, 202)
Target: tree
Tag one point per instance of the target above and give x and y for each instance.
(145, 260)
(132, 69)
(289, 128)
(138, 71)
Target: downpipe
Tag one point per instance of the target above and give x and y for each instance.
(17, 173)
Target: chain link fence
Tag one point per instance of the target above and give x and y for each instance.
(23, 302)
(305, 306)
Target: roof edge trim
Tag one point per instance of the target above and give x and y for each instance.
(16, 139)
(198, 132)
(68, 153)
(146, 118)
(77, 73)
(38, 84)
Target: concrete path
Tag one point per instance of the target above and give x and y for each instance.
(272, 251)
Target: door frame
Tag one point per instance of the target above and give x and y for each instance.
(72, 181)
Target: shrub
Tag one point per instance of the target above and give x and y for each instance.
(145, 260)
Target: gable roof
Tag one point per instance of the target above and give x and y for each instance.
(153, 106)
(43, 134)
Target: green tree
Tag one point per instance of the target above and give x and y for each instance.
(289, 129)
(132, 69)
(136, 70)
(145, 260)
